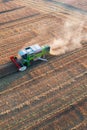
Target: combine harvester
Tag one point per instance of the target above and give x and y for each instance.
(29, 55)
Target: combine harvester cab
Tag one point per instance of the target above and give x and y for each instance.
(29, 55)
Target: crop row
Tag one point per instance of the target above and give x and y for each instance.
(18, 30)
(42, 8)
(58, 76)
(43, 90)
(72, 118)
(28, 26)
(41, 107)
(23, 21)
(14, 15)
(13, 40)
(47, 7)
(9, 6)
(31, 88)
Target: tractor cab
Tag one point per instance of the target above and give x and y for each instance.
(30, 50)
(33, 49)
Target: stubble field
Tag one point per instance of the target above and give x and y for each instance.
(49, 95)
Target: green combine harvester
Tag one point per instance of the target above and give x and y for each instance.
(29, 55)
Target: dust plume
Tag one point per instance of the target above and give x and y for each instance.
(70, 39)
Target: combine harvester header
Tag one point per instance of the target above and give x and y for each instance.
(29, 55)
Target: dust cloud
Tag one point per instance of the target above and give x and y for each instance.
(70, 38)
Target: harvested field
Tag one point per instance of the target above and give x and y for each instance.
(48, 95)
(76, 3)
